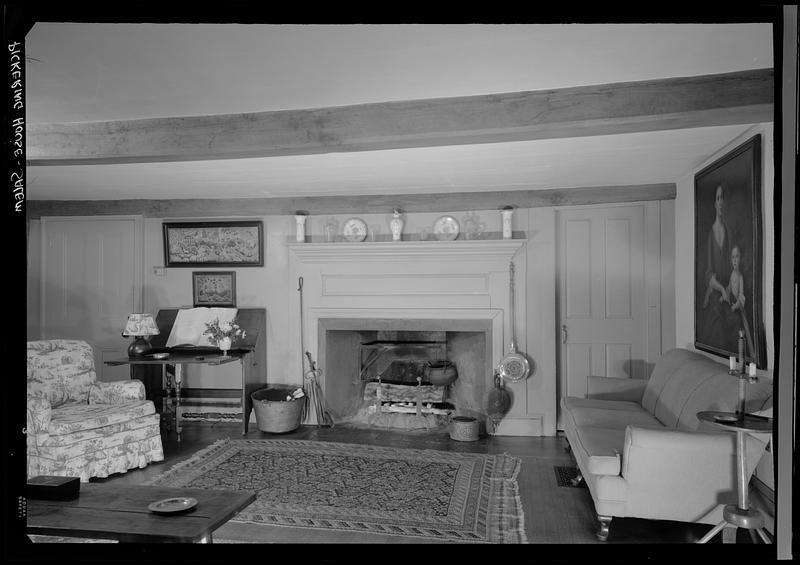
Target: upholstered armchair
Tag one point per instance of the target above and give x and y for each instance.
(79, 427)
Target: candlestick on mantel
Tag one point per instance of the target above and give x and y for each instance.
(732, 362)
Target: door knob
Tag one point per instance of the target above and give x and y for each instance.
(563, 333)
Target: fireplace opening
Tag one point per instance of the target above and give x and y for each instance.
(379, 377)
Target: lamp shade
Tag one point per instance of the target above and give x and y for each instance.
(140, 325)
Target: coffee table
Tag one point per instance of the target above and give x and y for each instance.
(120, 512)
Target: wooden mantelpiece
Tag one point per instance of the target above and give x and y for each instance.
(408, 251)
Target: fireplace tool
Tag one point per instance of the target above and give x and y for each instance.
(315, 395)
(498, 401)
(311, 377)
(514, 366)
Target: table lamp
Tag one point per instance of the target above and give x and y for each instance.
(141, 327)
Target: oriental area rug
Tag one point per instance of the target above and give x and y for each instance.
(422, 493)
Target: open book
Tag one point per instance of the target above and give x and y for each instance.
(190, 325)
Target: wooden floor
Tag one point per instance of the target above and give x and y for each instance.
(553, 514)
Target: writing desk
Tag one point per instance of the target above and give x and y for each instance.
(180, 360)
(250, 352)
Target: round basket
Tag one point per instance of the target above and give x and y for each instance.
(464, 428)
(275, 414)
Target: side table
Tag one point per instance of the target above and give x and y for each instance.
(739, 515)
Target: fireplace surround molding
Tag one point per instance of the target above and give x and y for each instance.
(448, 285)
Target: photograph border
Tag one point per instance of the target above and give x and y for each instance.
(174, 262)
(198, 276)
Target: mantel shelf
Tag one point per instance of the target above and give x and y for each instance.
(457, 250)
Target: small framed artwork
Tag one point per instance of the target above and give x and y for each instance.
(214, 244)
(728, 255)
(214, 289)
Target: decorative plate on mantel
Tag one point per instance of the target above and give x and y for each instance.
(446, 228)
(354, 230)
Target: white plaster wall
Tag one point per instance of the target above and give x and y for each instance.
(684, 243)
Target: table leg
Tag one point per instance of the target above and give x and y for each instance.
(178, 383)
(713, 532)
(166, 385)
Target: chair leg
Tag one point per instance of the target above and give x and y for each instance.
(605, 524)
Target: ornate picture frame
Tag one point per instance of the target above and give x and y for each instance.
(214, 244)
(728, 254)
(214, 289)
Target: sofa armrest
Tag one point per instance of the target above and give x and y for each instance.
(609, 388)
(116, 392)
(676, 473)
(38, 415)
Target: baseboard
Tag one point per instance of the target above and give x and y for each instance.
(520, 427)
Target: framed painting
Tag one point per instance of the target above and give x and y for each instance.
(214, 244)
(728, 255)
(214, 289)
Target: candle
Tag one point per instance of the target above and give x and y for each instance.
(752, 369)
(741, 348)
(732, 361)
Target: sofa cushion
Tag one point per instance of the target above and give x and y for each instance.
(720, 392)
(70, 445)
(612, 419)
(71, 418)
(569, 403)
(665, 368)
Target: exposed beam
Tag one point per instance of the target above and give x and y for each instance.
(365, 204)
(687, 102)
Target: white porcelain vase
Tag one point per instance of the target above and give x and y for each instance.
(224, 344)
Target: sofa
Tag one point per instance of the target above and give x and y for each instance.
(79, 427)
(643, 452)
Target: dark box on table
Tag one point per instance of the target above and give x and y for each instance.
(48, 487)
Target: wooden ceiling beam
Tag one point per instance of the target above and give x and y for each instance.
(363, 204)
(687, 102)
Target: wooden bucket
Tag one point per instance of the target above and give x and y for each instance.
(275, 414)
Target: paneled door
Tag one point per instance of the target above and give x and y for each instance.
(91, 280)
(601, 303)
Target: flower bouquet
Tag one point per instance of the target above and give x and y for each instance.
(223, 335)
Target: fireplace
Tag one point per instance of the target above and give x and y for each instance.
(363, 298)
(376, 370)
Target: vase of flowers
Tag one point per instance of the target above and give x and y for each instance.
(223, 335)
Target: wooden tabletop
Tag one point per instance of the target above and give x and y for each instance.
(120, 512)
(204, 357)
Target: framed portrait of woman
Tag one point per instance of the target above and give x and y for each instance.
(728, 255)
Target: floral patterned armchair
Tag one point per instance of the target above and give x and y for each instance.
(79, 427)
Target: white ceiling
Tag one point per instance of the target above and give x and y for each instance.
(97, 72)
